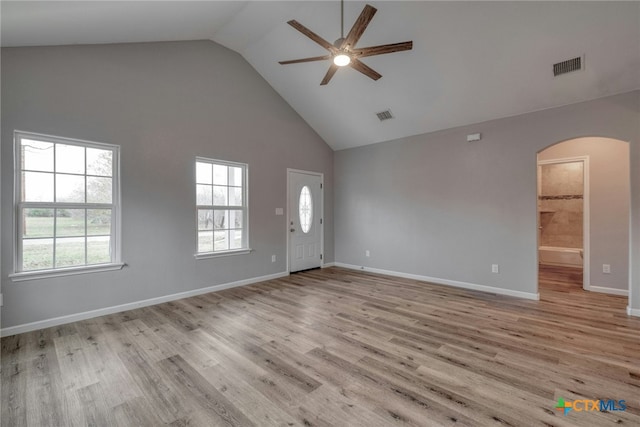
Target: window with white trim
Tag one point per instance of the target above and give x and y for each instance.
(222, 207)
(67, 203)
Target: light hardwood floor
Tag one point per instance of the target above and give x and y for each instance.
(333, 347)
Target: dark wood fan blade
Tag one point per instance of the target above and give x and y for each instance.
(313, 36)
(332, 70)
(314, 58)
(359, 26)
(382, 49)
(364, 69)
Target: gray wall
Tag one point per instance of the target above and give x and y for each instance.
(164, 104)
(435, 205)
(609, 205)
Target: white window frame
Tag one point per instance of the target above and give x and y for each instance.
(244, 208)
(115, 237)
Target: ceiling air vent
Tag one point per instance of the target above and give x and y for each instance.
(568, 66)
(384, 115)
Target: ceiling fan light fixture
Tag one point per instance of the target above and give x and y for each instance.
(341, 59)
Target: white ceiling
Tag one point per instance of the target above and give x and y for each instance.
(471, 62)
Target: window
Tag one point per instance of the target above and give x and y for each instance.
(222, 213)
(67, 204)
(305, 209)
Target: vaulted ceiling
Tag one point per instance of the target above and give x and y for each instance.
(471, 61)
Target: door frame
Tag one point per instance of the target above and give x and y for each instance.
(287, 224)
(586, 207)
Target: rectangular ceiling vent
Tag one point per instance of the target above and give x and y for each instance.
(384, 115)
(568, 66)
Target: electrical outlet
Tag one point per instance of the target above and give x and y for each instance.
(495, 268)
(606, 268)
(273, 258)
(367, 253)
(279, 211)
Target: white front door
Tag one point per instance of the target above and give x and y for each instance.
(305, 220)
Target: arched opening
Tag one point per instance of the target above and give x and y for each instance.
(583, 217)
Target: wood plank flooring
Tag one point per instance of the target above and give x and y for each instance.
(333, 347)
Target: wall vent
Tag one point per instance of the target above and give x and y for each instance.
(384, 115)
(568, 66)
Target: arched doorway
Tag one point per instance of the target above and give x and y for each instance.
(583, 216)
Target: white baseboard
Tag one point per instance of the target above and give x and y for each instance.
(611, 291)
(328, 264)
(455, 283)
(47, 323)
(633, 311)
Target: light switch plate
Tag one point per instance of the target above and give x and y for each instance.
(279, 211)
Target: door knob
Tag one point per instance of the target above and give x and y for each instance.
(292, 230)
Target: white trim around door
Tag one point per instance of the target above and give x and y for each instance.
(319, 175)
(586, 272)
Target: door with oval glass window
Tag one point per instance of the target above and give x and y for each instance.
(305, 220)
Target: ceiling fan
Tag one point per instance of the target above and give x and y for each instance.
(344, 51)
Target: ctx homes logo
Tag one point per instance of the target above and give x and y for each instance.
(590, 405)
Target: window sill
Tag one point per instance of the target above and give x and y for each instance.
(220, 254)
(62, 272)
